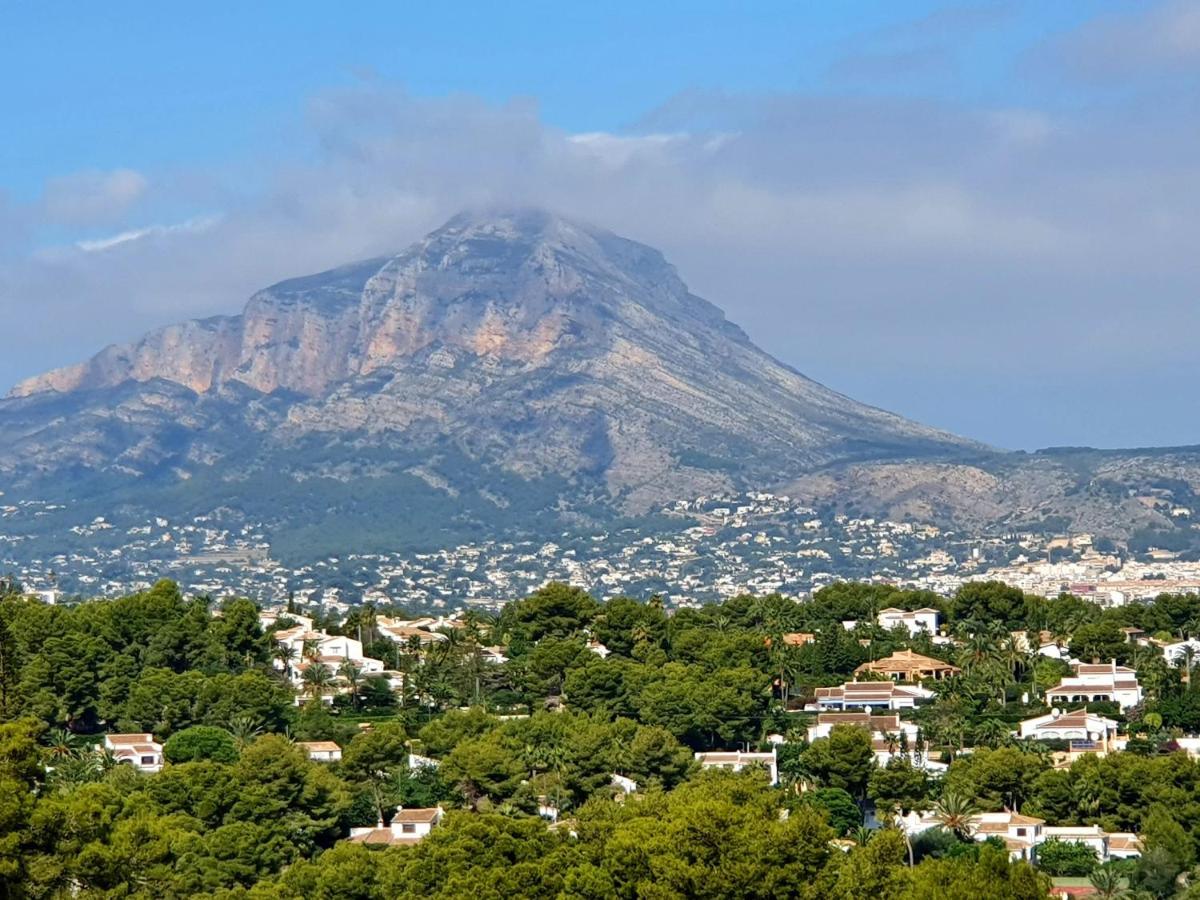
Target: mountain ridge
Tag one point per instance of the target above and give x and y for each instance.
(511, 369)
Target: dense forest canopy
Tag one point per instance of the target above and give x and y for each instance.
(240, 810)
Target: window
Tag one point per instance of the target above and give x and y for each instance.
(1020, 832)
(147, 760)
(408, 828)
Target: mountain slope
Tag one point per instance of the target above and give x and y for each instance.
(512, 361)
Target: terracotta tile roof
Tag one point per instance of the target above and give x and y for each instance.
(798, 638)
(429, 814)
(319, 746)
(906, 661)
(385, 837)
(141, 738)
(1124, 841)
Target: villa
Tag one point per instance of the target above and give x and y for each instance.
(1098, 682)
(914, 622)
(138, 750)
(905, 665)
(869, 694)
(737, 760)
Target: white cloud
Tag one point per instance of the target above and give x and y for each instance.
(870, 242)
(91, 198)
(96, 245)
(1163, 37)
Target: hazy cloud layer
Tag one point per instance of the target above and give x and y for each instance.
(1027, 276)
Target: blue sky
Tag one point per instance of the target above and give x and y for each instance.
(973, 214)
(125, 84)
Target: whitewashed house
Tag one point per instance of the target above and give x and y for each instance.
(1022, 835)
(1079, 725)
(914, 621)
(321, 751)
(1176, 652)
(1098, 682)
(737, 760)
(870, 695)
(408, 826)
(138, 750)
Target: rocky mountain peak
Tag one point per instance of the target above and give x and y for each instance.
(511, 347)
(513, 284)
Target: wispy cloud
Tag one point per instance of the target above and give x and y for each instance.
(876, 242)
(1160, 39)
(93, 197)
(190, 226)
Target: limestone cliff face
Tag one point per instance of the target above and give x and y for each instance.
(516, 343)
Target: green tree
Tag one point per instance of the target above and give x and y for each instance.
(839, 808)
(843, 760)
(956, 813)
(485, 768)
(201, 742)
(898, 787)
(1056, 857)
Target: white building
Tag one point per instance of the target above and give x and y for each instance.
(321, 751)
(1022, 835)
(871, 695)
(138, 750)
(737, 760)
(891, 737)
(1176, 653)
(1079, 725)
(915, 622)
(268, 617)
(878, 725)
(1098, 682)
(408, 826)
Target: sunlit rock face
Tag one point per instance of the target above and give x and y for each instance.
(514, 342)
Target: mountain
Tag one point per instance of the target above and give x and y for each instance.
(514, 372)
(511, 365)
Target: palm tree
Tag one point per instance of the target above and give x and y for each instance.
(955, 813)
(61, 743)
(862, 835)
(244, 728)
(1107, 884)
(992, 731)
(284, 654)
(310, 649)
(317, 679)
(1187, 661)
(352, 672)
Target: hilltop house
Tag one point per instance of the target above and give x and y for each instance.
(1080, 725)
(404, 631)
(321, 751)
(877, 725)
(309, 647)
(408, 826)
(868, 694)
(1022, 835)
(1176, 652)
(1098, 682)
(905, 665)
(138, 750)
(737, 760)
(915, 622)
(890, 736)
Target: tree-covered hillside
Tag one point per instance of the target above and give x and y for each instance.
(546, 711)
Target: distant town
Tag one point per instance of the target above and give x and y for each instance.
(721, 546)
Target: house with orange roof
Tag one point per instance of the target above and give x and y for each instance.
(907, 665)
(138, 750)
(408, 826)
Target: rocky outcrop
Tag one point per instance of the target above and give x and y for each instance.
(519, 344)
